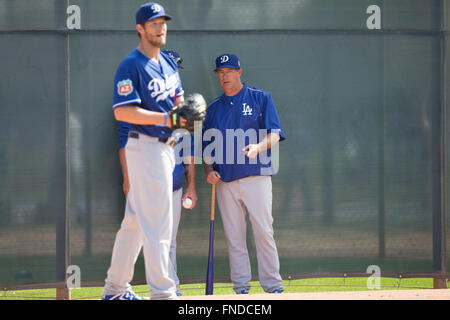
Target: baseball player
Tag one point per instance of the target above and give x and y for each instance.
(180, 169)
(146, 88)
(244, 188)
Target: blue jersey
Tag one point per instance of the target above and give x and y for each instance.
(150, 85)
(251, 108)
(178, 171)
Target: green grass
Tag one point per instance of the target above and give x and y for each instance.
(290, 286)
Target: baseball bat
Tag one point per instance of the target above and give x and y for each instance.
(210, 270)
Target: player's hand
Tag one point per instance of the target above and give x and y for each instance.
(181, 122)
(187, 113)
(251, 150)
(190, 193)
(213, 177)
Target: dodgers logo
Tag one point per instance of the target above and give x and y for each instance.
(224, 59)
(156, 8)
(124, 87)
(162, 88)
(246, 110)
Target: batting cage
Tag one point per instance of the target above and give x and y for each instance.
(361, 90)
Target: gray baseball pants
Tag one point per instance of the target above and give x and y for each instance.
(177, 195)
(252, 196)
(148, 220)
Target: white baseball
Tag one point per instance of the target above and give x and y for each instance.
(187, 203)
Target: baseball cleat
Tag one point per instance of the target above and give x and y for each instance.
(242, 291)
(128, 295)
(278, 291)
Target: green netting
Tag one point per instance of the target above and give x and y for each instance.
(360, 178)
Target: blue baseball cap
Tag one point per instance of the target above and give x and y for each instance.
(227, 61)
(150, 11)
(176, 57)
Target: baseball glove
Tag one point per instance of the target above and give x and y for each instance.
(193, 109)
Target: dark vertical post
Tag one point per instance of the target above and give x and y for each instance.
(63, 222)
(438, 176)
(327, 143)
(381, 167)
(87, 191)
(381, 143)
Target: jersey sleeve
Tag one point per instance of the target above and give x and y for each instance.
(206, 126)
(126, 83)
(192, 146)
(179, 92)
(270, 117)
(124, 128)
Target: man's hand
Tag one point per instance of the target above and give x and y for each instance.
(213, 177)
(251, 150)
(190, 193)
(180, 122)
(186, 113)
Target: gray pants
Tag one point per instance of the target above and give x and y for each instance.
(252, 195)
(177, 195)
(148, 220)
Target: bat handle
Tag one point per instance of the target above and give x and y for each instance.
(213, 201)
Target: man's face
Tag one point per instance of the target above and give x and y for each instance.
(229, 78)
(154, 32)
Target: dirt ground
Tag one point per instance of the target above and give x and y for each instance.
(426, 294)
